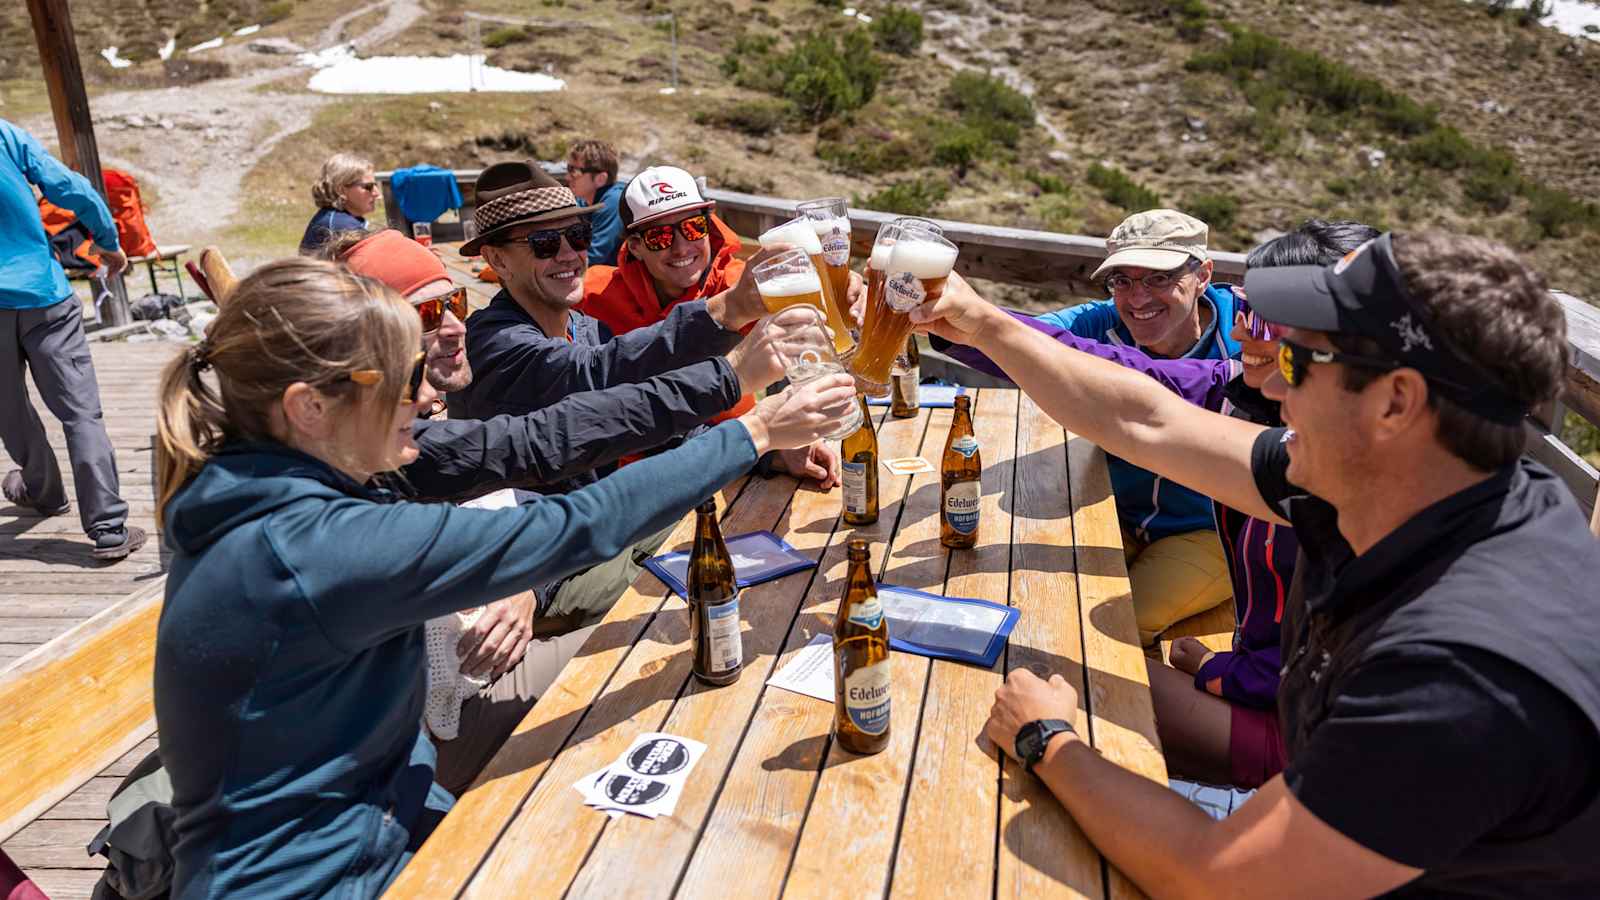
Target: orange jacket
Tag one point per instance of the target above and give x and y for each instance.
(624, 296)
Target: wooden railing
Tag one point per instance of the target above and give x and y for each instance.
(1063, 262)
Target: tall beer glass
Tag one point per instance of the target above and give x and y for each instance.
(800, 233)
(915, 264)
(831, 220)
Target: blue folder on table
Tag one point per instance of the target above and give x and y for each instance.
(959, 628)
(758, 556)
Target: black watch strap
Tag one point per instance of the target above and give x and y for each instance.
(1034, 737)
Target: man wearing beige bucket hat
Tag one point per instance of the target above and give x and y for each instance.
(1158, 273)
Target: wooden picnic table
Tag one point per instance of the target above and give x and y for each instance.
(774, 807)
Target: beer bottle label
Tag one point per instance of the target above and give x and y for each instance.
(854, 475)
(961, 506)
(836, 247)
(868, 613)
(722, 632)
(966, 445)
(866, 697)
(903, 291)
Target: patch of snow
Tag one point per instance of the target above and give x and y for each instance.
(669, 90)
(247, 30)
(340, 71)
(212, 44)
(1574, 18)
(166, 49)
(849, 11)
(863, 18)
(116, 60)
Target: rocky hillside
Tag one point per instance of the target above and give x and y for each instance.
(1058, 114)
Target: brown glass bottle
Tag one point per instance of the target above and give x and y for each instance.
(861, 660)
(960, 481)
(713, 603)
(904, 382)
(859, 471)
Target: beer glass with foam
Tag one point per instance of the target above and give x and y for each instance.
(799, 233)
(914, 264)
(830, 219)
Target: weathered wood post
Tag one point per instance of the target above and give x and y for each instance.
(69, 102)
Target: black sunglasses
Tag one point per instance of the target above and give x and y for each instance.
(546, 242)
(1294, 361)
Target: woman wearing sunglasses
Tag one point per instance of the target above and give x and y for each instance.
(346, 192)
(289, 656)
(1230, 736)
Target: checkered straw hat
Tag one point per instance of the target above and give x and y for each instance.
(514, 193)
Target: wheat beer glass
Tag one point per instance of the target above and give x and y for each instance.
(799, 233)
(831, 220)
(799, 335)
(915, 264)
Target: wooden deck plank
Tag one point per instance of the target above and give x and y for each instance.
(947, 833)
(752, 832)
(848, 839)
(44, 559)
(638, 699)
(66, 884)
(1042, 851)
(54, 844)
(448, 860)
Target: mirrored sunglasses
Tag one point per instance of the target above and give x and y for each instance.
(432, 309)
(1294, 361)
(659, 237)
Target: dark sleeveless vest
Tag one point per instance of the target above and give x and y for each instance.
(1442, 578)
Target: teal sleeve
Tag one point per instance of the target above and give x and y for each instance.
(65, 188)
(437, 558)
(1087, 320)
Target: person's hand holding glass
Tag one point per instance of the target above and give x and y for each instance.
(800, 336)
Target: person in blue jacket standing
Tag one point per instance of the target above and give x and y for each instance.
(1158, 273)
(592, 176)
(289, 672)
(41, 330)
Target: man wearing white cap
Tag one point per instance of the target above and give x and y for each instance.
(1158, 274)
(677, 251)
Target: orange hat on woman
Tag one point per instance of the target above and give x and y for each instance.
(395, 260)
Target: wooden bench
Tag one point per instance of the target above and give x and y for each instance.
(74, 707)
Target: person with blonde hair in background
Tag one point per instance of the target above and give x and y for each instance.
(289, 657)
(345, 193)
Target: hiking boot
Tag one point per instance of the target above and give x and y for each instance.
(16, 493)
(119, 543)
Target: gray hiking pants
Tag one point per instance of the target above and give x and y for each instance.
(49, 342)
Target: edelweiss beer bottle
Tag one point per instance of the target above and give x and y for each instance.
(860, 660)
(960, 481)
(713, 603)
(905, 378)
(859, 471)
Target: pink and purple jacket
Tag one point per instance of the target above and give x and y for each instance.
(1260, 555)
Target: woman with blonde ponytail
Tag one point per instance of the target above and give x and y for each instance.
(289, 658)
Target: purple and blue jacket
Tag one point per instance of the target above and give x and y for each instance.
(1260, 554)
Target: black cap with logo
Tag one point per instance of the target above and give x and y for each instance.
(1364, 294)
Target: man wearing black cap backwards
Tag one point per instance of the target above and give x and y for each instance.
(1441, 693)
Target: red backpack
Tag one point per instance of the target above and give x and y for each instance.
(127, 208)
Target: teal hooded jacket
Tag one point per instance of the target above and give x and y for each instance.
(289, 658)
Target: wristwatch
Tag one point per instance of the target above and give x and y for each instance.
(1035, 736)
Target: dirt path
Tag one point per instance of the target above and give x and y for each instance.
(192, 146)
